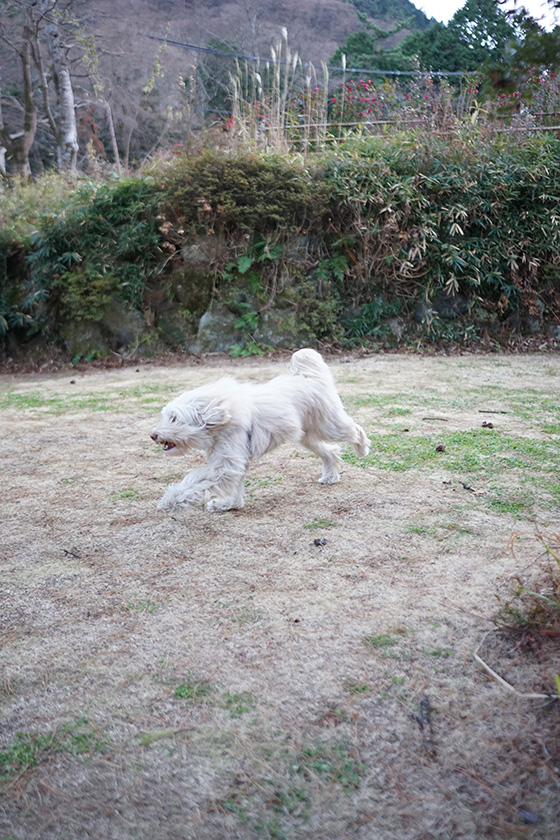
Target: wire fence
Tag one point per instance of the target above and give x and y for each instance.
(304, 64)
(283, 101)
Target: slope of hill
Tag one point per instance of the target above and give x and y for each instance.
(393, 10)
(315, 27)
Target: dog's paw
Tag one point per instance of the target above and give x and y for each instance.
(361, 445)
(216, 505)
(166, 505)
(169, 501)
(332, 478)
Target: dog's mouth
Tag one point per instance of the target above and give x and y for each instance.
(167, 445)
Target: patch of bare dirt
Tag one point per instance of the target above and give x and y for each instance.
(301, 668)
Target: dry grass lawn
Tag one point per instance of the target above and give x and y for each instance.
(302, 668)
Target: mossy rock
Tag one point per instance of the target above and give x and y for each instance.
(121, 325)
(219, 329)
(205, 250)
(281, 328)
(86, 340)
(176, 330)
(119, 329)
(217, 332)
(239, 301)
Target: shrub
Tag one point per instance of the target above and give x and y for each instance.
(104, 244)
(24, 206)
(422, 216)
(243, 194)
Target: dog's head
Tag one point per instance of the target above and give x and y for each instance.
(190, 422)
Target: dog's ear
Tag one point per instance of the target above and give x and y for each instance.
(215, 414)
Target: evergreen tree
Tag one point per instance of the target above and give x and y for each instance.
(479, 33)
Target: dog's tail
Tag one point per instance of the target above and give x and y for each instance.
(309, 363)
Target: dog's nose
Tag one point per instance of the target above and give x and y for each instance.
(153, 436)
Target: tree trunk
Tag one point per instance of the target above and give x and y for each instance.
(113, 138)
(65, 128)
(16, 146)
(23, 146)
(67, 150)
(3, 140)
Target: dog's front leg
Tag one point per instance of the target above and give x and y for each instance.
(203, 482)
(230, 489)
(236, 498)
(192, 490)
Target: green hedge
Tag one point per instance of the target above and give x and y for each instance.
(477, 220)
(386, 223)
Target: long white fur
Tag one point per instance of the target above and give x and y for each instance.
(234, 423)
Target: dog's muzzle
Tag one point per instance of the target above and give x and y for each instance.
(167, 444)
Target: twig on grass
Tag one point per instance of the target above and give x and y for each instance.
(470, 489)
(57, 792)
(505, 683)
(518, 572)
(464, 610)
(540, 538)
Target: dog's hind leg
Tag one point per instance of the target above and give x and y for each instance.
(341, 428)
(329, 457)
(359, 441)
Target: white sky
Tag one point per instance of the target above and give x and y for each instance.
(443, 10)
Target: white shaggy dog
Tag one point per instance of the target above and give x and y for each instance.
(234, 423)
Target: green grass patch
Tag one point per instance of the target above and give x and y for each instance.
(262, 482)
(127, 493)
(459, 530)
(528, 404)
(239, 703)
(29, 748)
(247, 614)
(25, 751)
(482, 454)
(420, 531)
(531, 404)
(233, 806)
(292, 801)
(382, 640)
(484, 451)
(144, 397)
(399, 403)
(355, 688)
(59, 403)
(193, 690)
(317, 523)
(438, 653)
(514, 504)
(143, 606)
(332, 763)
